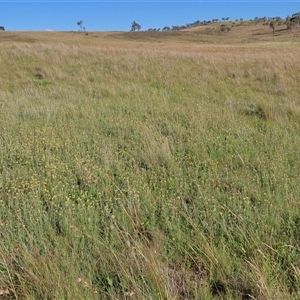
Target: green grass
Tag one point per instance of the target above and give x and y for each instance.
(149, 173)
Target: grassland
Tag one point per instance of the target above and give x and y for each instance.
(150, 165)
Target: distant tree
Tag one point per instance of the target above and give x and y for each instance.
(224, 28)
(79, 23)
(166, 28)
(293, 26)
(135, 26)
(295, 17)
(227, 19)
(138, 27)
(297, 14)
(273, 25)
(132, 26)
(154, 29)
(2, 28)
(293, 22)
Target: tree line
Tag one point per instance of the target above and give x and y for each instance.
(292, 23)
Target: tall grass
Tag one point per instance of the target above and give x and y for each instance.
(149, 173)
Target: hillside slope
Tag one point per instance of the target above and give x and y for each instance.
(210, 34)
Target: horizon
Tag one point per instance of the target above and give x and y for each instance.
(119, 15)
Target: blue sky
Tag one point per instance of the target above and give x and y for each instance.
(118, 15)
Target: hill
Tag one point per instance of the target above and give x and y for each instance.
(244, 33)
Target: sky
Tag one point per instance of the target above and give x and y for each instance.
(118, 15)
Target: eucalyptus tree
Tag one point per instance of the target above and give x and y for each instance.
(135, 26)
(293, 22)
(224, 28)
(79, 23)
(273, 25)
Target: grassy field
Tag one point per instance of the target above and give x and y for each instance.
(150, 165)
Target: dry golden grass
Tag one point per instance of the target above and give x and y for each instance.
(186, 39)
(149, 165)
